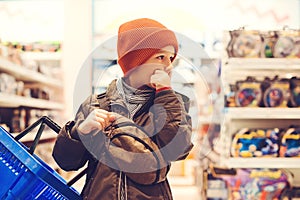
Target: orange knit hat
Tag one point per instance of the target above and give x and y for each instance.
(139, 39)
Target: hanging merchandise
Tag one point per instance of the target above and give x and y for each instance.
(255, 143)
(244, 44)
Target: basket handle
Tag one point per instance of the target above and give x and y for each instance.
(42, 121)
(56, 128)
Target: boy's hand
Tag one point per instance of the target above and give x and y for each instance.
(97, 119)
(160, 79)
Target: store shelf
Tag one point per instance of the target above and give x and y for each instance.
(263, 63)
(9, 100)
(262, 117)
(262, 162)
(262, 113)
(24, 74)
(42, 56)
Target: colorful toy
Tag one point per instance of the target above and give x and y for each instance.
(287, 44)
(248, 93)
(255, 143)
(257, 184)
(244, 44)
(275, 92)
(294, 100)
(290, 143)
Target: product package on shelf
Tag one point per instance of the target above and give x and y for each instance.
(267, 92)
(248, 93)
(292, 193)
(244, 44)
(216, 188)
(38, 91)
(255, 184)
(275, 92)
(294, 100)
(256, 143)
(264, 44)
(271, 142)
(250, 184)
(290, 142)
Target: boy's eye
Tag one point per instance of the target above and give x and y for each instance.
(160, 57)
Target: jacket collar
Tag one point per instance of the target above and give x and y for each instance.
(117, 103)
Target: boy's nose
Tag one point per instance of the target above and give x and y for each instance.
(168, 68)
(168, 62)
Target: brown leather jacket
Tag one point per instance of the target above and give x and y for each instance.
(72, 150)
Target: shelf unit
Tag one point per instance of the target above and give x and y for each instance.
(262, 113)
(263, 63)
(42, 56)
(237, 68)
(236, 118)
(282, 163)
(14, 101)
(27, 75)
(53, 83)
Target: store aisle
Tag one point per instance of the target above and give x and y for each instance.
(185, 193)
(184, 188)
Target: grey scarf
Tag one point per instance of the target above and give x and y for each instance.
(133, 98)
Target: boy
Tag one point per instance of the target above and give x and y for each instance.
(143, 97)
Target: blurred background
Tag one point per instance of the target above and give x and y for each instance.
(54, 53)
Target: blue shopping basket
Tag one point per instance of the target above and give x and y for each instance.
(24, 176)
